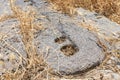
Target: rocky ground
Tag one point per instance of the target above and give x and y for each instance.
(85, 46)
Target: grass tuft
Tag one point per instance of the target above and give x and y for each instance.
(33, 67)
(108, 8)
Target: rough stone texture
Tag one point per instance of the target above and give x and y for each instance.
(88, 54)
(10, 45)
(61, 31)
(104, 75)
(5, 7)
(103, 24)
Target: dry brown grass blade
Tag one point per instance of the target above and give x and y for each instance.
(6, 17)
(26, 19)
(66, 6)
(108, 8)
(35, 63)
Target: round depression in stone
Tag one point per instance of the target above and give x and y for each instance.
(89, 53)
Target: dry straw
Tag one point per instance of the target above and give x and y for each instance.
(108, 8)
(33, 67)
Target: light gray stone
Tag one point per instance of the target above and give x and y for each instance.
(5, 8)
(62, 31)
(87, 54)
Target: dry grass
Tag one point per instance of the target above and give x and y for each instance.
(4, 17)
(66, 6)
(108, 8)
(108, 53)
(33, 67)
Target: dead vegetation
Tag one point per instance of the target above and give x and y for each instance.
(4, 17)
(34, 66)
(108, 8)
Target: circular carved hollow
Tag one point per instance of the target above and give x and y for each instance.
(69, 49)
(60, 39)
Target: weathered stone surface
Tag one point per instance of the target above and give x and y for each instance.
(67, 46)
(5, 7)
(103, 25)
(103, 74)
(88, 54)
